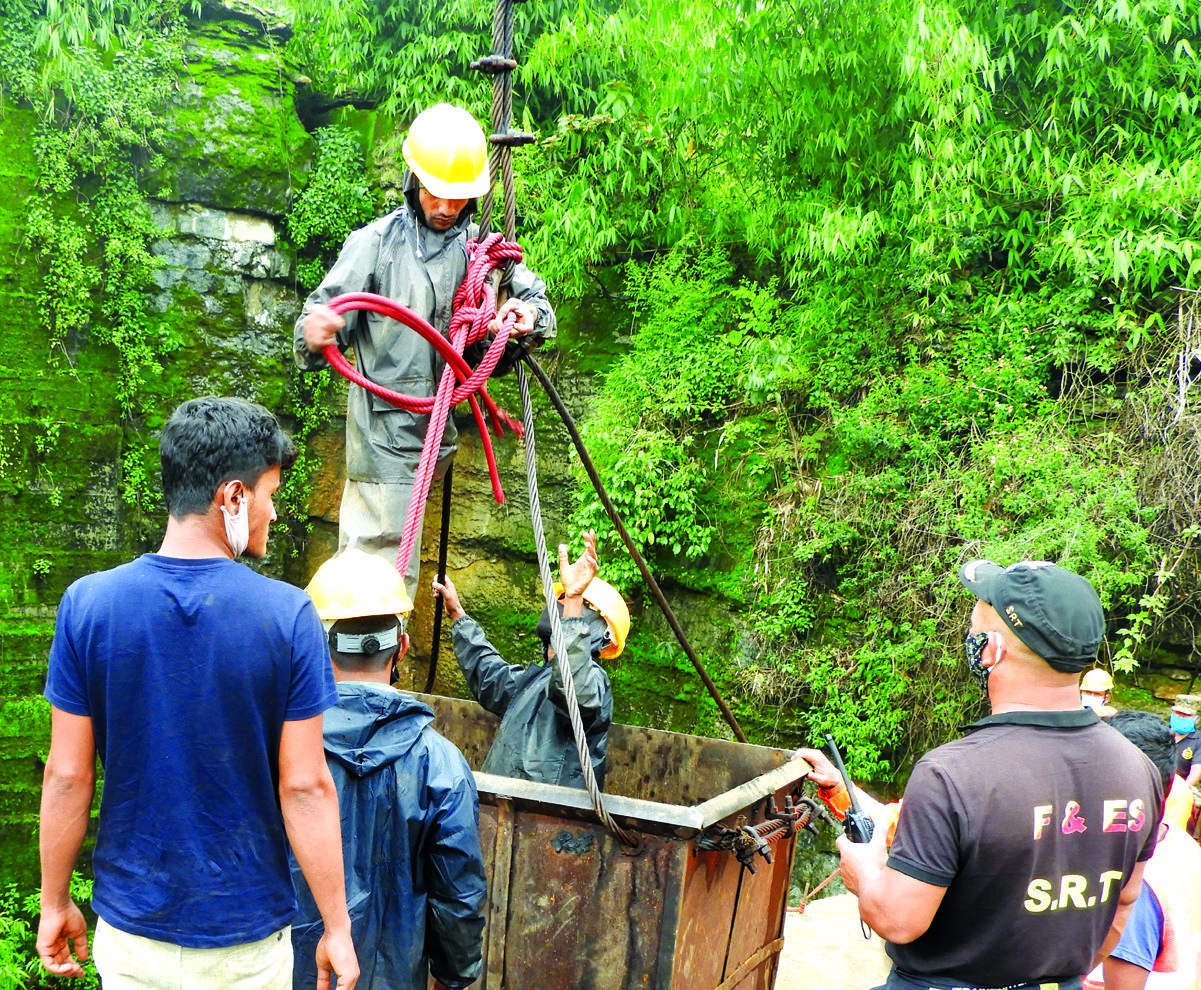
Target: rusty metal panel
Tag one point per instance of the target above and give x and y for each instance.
(761, 904)
(706, 912)
(583, 914)
(647, 764)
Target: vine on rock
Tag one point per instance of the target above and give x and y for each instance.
(99, 77)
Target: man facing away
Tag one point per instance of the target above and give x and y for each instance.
(1019, 848)
(200, 685)
(534, 740)
(410, 812)
(417, 257)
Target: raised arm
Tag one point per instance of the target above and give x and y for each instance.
(318, 325)
(490, 680)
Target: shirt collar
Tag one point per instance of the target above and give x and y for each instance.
(1074, 718)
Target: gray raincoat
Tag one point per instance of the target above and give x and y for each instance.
(421, 268)
(535, 741)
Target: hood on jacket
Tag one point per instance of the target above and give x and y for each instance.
(372, 726)
(409, 186)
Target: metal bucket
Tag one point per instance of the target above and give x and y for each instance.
(570, 909)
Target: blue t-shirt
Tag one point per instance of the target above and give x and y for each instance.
(188, 670)
(1142, 938)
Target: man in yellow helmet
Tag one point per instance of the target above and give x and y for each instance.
(408, 803)
(535, 740)
(1096, 686)
(417, 257)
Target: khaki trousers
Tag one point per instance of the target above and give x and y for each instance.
(133, 962)
(372, 518)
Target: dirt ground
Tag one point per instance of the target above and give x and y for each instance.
(824, 948)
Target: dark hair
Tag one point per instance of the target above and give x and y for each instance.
(357, 663)
(1150, 734)
(210, 441)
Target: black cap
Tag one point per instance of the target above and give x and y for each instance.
(1056, 613)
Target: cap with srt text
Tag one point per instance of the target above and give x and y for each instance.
(1056, 613)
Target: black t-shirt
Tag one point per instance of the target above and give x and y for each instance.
(1033, 822)
(1188, 752)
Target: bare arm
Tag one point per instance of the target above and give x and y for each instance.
(68, 786)
(309, 803)
(1126, 901)
(1194, 775)
(1122, 975)
(897, 907)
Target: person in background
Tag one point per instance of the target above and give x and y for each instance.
(200, 685)
(415, 873)
(1183, 723)
(535, 739)
(1160, 947)
(1096, 687)
(1019, 848)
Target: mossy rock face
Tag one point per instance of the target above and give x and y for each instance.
(234, 140)
(223, 287)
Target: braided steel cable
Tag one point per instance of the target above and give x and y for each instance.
(500, 12)
(556, 627)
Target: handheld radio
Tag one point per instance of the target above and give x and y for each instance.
(857, 824)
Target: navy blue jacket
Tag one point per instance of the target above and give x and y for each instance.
(410, 832)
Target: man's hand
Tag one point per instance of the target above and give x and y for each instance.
(823, 773)
(321, 328)
(450, 599)
(60, 930)
(862, 862)
(335, 954)
(525, 317)
(575, 577)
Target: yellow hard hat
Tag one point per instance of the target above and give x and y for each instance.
(354, 583)
(607, 600)
(1097, 680)
(447, 151)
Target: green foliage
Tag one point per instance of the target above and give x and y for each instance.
(408, 55)
(664, 420)
(99, 74)
(336, 200)
(20, 968)
(312, 402)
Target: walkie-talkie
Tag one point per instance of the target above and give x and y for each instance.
(857, 824)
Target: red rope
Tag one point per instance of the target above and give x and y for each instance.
(474, 308)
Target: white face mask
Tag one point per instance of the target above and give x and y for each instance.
(1092, 700)
(237, 527)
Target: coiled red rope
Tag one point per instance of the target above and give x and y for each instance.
(473, 310)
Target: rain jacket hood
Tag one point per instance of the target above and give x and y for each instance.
(372, 728)
(410, 835)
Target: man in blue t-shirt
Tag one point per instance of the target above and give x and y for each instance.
(200, 685)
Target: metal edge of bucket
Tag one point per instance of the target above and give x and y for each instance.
(654, 817)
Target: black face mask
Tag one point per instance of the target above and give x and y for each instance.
(973, 645)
